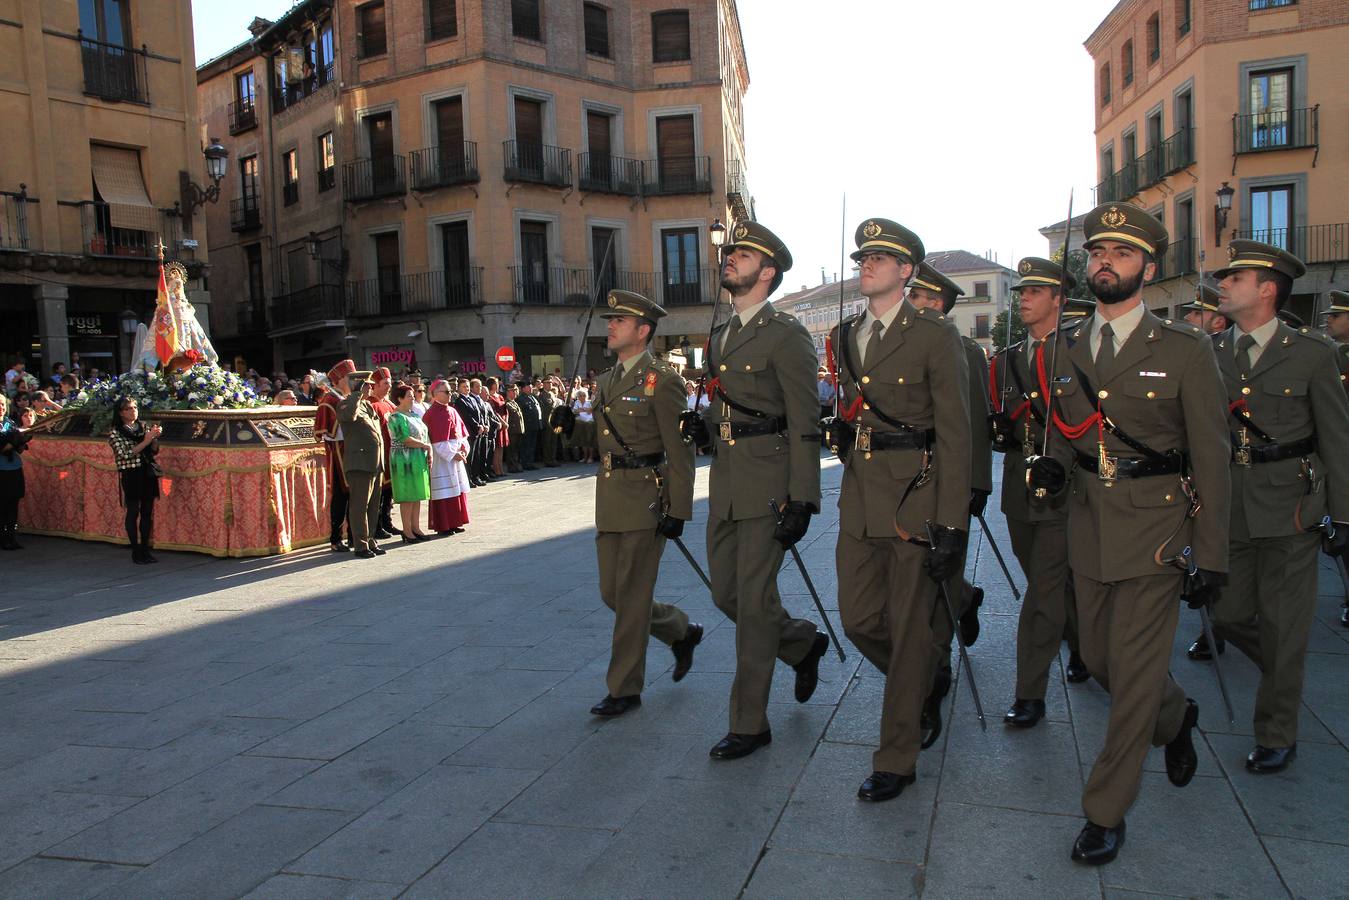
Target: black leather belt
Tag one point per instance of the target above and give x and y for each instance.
(631, 461)
(727, 431)
(868, 439)
(1133, 468)
(1253, 456)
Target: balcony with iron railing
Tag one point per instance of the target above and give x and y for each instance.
(286, 95)
(318, 305)
(606, 174)
(245, 213)
(101, 238)
(1178, 259)
(250, 317)
(1312, 244)
(672, 175)
(1167, 158)
(1279, 129)
(243, 115)
(370, 179)
(14, 211)
(114, 72)
(536, 285)
(435, 167)
(393, 293)
(530, 163)
(737, 191)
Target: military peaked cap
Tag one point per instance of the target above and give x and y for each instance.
(1205, 299)
(930, 279)
(1244, 254)
(756, 237)
(1127, 224)
(628, 303)
(886, 236)
(1038, 270)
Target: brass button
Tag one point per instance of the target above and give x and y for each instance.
(866, 379)
(1034, 394)
(731, 442)
(866, 406)
(1103, 394)
(1152, 395)
(1245, 390)
(606, 431)
(608, 409)
(866, 455)
(607, 474)
(747, 367)
(1288, 390)
(1168, 498)
(723, 367)
(1058, 392)
(629, 412)
(901, 380)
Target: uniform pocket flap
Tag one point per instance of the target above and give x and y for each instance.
(1155, 492)
(1286, 387)
(752, 364)
(1153, 389)
(767, 445)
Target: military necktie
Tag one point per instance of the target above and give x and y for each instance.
(874, 342)
(732, 329)
(1244, 345)
(1105, 355)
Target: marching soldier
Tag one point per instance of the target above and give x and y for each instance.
(643, 495)
(762, 420)
(328, 432)
(932, 290)
(1290, 448)
(1039, 531)
(905, 500)
(1337, 326)
(1075, 310)
(1202, 312)
(1139, 402)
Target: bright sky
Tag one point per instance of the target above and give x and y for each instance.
(965, 120)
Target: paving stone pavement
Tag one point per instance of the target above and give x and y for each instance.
(416, 725)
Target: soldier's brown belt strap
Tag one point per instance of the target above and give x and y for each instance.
(729, 430)
(1136, 468)
(845, 343)
(741, 408)
(900, 440)
(1250, 456)
(631, 461)
(609, 423)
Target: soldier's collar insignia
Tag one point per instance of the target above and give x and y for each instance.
(871, 230)
(741, 231)
(1113, 218)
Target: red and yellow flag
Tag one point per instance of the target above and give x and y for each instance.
(166, 322)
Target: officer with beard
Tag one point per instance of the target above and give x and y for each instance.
(1141, 412)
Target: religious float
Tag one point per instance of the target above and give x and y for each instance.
(239, 478)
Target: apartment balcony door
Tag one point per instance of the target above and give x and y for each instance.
(534, 261)
(1272, 216)
(450, 157)
(383, 168)
(1270, 94)
(680, 259)
(675, 153)
(529, 135)
(599, 131)
(604, 258)
(454, 252)
(388, 269)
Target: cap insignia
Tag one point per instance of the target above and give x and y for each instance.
(871, 230)
(613, 301)
(1025, 266)
(1231, 252)
(741, 231)
(1113, 218)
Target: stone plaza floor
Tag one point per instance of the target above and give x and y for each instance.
(416, 725)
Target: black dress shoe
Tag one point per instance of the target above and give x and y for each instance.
(969, 622)
(1024, 713)
(881, 786)
(1181, 759)
(734, 746)
(1264, 760)
(683, 650)
(1199, 651)
(139, 558)
(1097, 845)
(382, 532)
(616, 706)
(148, 556)
(365, 554)
(1344, 616)
(929, 722)
(808, 669)
(378, 550)
(338, 547)
(1077, 668)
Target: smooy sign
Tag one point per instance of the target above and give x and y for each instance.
(394, 357)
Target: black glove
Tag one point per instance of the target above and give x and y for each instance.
(563, 420)
(978, 502)
(1336, 544)
(838, 436)
(1003, 431)
(1046, 474)
(693, 429)
(945, 553)
(670, 527)
(794, 522)
(1201, 588)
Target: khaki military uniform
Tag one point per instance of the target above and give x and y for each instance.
(1039, 530)
(1292, 394)
(643, 403)
(1164, 391)
(767, 365)
(886, 599)
(363, 461)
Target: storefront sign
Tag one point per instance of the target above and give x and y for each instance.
(473, 366)
(90, 325)
(394, 357)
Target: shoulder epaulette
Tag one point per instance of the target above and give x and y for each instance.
(935, 317)
(1182, 327)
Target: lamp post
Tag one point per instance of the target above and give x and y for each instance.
(1220, 210)
(194, 195)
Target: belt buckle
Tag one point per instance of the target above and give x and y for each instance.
(724, 430)
(1028, 442)
(863, 438)
(607, 462)
(1242, 456)
(1107, 466)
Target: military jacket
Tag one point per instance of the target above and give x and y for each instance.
(363, 449)
(981, 450)
(1342, 359)
(1293, 392)
(919, 377)
(1013, 384)
(644, 407)
(769, 366)
(1165, 392)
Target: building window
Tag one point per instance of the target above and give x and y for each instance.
(670, 36)
(1272, 215)
(290, 177)
(1105, 84)
(1269, 93)
(1154, 38)
(243, 88)
(327, 174)
(373, 39)
(680, 263)
(525, 20)
(388, 269)
(981, 326)
(1271, 4)
(253, 261)
(1107, 164)
(248, 179)
(1127, 63)
(981, 289)
(533, 279)
(108, 21)
(597, 29)
(442, 20)
(1182, 17)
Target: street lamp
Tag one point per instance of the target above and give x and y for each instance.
(193, 194)
(717, 232)
(129, 321)
(1220, 211)
(314, 244)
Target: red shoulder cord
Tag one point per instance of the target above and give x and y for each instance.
(1071, 432)
(1238, 404)
(995, 398)
(853, 408)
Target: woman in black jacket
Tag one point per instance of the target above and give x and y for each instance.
(134, 446)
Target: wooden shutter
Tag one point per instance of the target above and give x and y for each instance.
(441, 21)
(598, 129)
(596, 29)
(525, 19)
(528, 121)
(374, 39)
(670, 36)
(450, 124)
(674, 137)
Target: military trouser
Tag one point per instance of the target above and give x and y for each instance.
(1266, 610)
(961, 593)
(364, 510)
(338, 497)
(1048, 612)
(548, 441)
(628, 562)
(1127, 630)
(885, 600)
(743, 562)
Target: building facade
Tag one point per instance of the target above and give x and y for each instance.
(474, 173)
(1228, 118)
(98, 167)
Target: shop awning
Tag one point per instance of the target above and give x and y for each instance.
(117, 174)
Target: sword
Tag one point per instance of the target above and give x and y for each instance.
(1344, 576)
(955, 631)
(1186, 560)
(679, 542)
(998, 553)
(810, 586)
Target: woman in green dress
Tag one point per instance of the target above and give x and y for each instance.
(409, 464)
